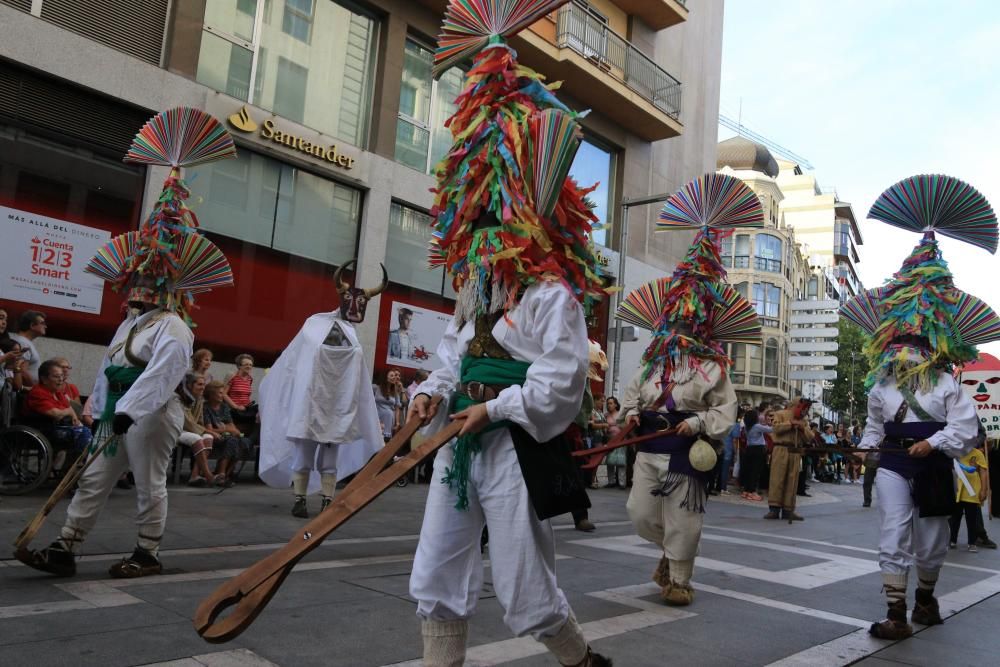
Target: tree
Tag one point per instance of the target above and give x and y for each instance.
(851, 363)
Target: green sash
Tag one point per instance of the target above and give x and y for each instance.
(120, 380)
(487, 371)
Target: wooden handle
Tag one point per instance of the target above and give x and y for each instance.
(250, 591)
(596, 454)
(69, 479)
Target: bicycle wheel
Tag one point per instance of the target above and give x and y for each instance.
(25, 460)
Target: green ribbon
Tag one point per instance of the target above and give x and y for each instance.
(124, 377)
(487, 371)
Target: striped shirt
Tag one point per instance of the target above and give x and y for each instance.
(239, 390)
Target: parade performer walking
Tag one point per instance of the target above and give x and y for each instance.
(512, 229)
(684, 382)
(160, 266)
(791, 429)
(918, 415)
(317, 410)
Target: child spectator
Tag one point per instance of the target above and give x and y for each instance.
(973, 483)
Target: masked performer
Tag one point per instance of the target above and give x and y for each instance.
(513, 231)
(160, 266)
(918, 415)
(317, 407)
(684, 383)
(791, 429)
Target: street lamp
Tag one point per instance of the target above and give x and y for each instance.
(626, 205)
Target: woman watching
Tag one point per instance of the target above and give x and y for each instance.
(201, 362)
(755, 454)
(229, 443)
(195, 435)
(390, 401)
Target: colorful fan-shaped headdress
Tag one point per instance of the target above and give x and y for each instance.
(166, 261)
(506, 214)
(923, 323)
(692, 313)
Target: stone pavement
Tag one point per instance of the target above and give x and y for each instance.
(768, 593)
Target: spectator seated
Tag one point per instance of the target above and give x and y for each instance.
(48, 408)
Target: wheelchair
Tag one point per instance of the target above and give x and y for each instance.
(26, 459)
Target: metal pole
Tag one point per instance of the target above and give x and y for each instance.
(623, 251)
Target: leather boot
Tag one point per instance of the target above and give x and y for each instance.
(299, 508)
(773, 513)
(662, 574)
(593, 660)
(54, 559)
(677, 595)
(790, 515)
(894, 627)
(925, 609)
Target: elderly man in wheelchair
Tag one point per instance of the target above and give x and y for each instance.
(47, 435)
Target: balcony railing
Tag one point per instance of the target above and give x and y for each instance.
(593, 39)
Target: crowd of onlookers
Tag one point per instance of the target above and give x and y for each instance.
(220, 415)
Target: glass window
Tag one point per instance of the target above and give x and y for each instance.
(424, 106)
(406, 251)
(755, 364)
(726, 250)
(739, 356)
(595, 165)
(742, 288)
(325, 85)
(741, 258)
(767, 302)
(771, 363)
(812, 290)
(769, 251)
(265, 202)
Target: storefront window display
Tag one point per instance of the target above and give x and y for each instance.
(265, 202)
(310, 61)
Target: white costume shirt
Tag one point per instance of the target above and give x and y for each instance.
(945, 403)
(166, 343)
(712, 400)
(317, 393)
(547, 330)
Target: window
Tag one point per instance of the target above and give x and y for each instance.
(422, 140)
(755, 364)
(741, 258)
(325, 86)
(742, 288)
(406, 251)
(738, 354)
(726, 250)
(771, 363)
(767, 302)
(812, 290)
(768, 253)
(297, 19)
(265, 202)
(596, 165)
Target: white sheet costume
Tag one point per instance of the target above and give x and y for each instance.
(548, 330)
(165, 342)
(317, 410)
(666, 520)
(906, 539)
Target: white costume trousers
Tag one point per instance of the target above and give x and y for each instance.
(146, 452)
(661, 519)
(321, 457)
(448, 568)
(906, 539)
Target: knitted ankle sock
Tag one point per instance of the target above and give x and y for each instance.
(328, 482)
(444, 643)
(894, 586)
(927, 579)
(569, 646)
(300, 483)
(681, 571)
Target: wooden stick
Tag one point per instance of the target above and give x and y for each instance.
(69, 479)
(250, 591)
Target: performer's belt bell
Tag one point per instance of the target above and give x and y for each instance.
(478, 391)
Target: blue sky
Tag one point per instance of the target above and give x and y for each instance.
(870, 93)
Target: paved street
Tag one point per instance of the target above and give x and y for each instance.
(769, 593)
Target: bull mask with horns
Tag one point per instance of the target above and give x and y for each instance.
(354, 300)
